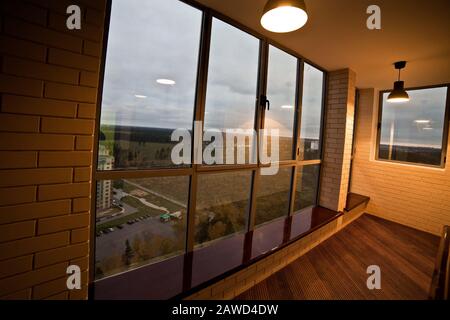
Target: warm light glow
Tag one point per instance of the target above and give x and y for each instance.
(140, 96)
(422, 121)
(287, 107)
(284, 19)
(166, 82)
(397, 100)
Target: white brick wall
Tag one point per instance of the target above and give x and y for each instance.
(412, 195)
(338, 139)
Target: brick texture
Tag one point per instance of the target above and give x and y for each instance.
(338, 139)
(415, 196)
(48, 90)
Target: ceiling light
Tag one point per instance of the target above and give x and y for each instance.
(166, 82)
(140, 96)
(284, 15)
(422, 121)
(287, 107)
(398, 94)
(427, 128)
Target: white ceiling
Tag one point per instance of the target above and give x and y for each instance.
(336, 37)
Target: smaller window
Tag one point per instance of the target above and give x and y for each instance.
(222, 205)
(143, 222)
(311, 119)
(273, 196)
(307, 185)
(281, 92)
(414, 131)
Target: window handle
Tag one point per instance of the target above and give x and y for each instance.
(265, 103)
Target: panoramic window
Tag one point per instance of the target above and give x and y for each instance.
(150, 81)
(152, 209)
(311, 113)
(222, 204)
(139, 221)
(273, 196)
(281, 93)
(232, 84)
(414, 131)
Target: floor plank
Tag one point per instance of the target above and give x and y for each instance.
(336, 269)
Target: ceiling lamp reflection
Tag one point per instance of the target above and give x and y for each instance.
(287, 107)
(284, 15)
(422, 121)
(140, 96)
(166, 82)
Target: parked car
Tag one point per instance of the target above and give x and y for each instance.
(176, 215)
(164, 217)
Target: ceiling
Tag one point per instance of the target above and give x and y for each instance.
(336, 37)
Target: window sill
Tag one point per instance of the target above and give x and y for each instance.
(410, 164)
(354, 200)
(186, 274)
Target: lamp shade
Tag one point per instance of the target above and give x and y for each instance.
(398, 94)
(284, 15)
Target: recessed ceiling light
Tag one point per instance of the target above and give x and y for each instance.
(140, 96)
(428, 128)
(287, 107)
(422, 121)
(284, 15)
(166, 82)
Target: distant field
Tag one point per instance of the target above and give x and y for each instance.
(140, 147)
(422, 155)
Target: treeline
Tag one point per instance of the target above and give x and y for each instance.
(137, 134)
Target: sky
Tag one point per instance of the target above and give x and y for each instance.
(418, 122)
(159, 39)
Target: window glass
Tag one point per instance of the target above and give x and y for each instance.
(139, 221)
(311, 113)
(281, 92)
(413, 131)
(232, 83)
(273, 196)
(150, 81)
(307, 184)
(222, 204)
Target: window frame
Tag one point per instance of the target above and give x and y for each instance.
(194, 170)
(444, 145)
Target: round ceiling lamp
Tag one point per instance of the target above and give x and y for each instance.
(284, 15)
(398, 94)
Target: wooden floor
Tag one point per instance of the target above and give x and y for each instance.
(336, 269)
